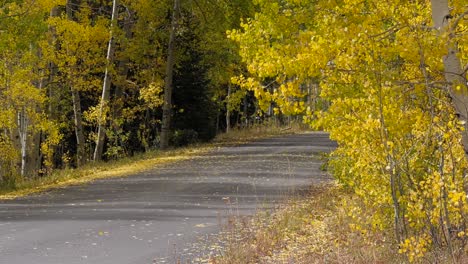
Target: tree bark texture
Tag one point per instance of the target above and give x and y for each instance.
(101, 136)
(23, 124)
(123, 69)
(77, 113)
(452, 66)
(168, 86)
(228, 110)
(78, 120)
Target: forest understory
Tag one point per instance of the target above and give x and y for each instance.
(140, 162)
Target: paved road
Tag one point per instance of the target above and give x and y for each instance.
(154, 216)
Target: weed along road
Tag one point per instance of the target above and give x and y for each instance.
(157, 216)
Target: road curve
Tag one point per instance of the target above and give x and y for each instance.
(153, 217)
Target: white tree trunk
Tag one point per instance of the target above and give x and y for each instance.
(77, 113)
(168, 87)
(228, 109)
(23, 124)
(106, 88)
(454, 74)
(78, 120)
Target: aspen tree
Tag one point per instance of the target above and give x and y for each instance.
(101, 135)
(168, 87)
(454, 74)
(392, 100)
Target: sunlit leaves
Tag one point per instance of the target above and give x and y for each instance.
(152, 94)
(379, 63)
(22, 26)
(77, 50)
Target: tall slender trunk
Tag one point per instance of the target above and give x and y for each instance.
(35, 155)
(245, 119)
(454, 74)
(123, 69)
(78, 120)
(23, 124)
(218, 116)
(168, 87)
(228, 110)
(106, 87)
(51, 66)
(77, 114)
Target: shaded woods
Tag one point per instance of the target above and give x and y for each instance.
(85, 80)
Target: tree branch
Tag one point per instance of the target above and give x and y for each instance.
(457, 20)
(465, 70)
(201, 10)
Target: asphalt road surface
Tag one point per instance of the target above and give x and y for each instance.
(156, 216)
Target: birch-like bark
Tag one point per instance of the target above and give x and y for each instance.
(101, 136)
(23, 123)
(245, 119)
(228, 110)
(123, 69)
(168, 87)
(454, 74)
(52, 67)
(78, 120)
(77, 113)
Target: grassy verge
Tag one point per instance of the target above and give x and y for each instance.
(239, 136)
(138, 163)
(309, 229)
(315, 228)
(99, 170)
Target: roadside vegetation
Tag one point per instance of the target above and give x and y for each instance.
(317, 227)
(392, 92)
(139, 162)
(84, 81)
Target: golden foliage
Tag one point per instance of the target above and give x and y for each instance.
(379, 65)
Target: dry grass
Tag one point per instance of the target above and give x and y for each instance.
(99, 170)
(310, 229)
(243, 135)
(138, 163)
